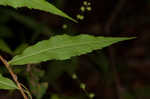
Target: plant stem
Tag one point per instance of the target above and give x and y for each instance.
(13, 76)
(111, 49)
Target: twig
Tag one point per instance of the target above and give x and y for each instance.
(113, 16)
(13, 76)
(107, 29)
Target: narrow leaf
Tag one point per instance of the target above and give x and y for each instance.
(20, 48)
(63, 47)
(4, 47)
(36, 4)
(6, 83)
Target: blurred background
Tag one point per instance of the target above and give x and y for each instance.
(121, 71)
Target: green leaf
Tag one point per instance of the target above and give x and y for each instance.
(63, 47)
(4, 47)
(36, 4)
(7, 84)
(20, 48)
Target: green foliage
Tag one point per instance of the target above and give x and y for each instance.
(35, 4)
(6, 83)
(20, 48)
(4, 47)
(57, 68)
(33, 77)
(63, 47)
(27, 22)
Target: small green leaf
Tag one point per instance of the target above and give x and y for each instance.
(20, 48)
(63, 47)
(7, 84)
(36, 4)
(4, 47)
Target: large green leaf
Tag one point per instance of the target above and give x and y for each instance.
(6, 83)
(36, 4)
(63, 47)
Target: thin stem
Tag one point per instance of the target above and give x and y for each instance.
(113, 16)
(108, 30)
(13, 76)
(84, 89)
